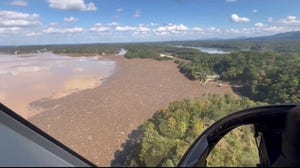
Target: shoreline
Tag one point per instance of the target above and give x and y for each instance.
(96, 122)
(48, 76)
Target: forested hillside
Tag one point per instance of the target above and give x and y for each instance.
(270, 77)
(283, 42)
(63, 49)
(169, 133)
(266, 76)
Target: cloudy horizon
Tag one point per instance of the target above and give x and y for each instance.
(29, 22)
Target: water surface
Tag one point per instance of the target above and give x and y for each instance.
(206, 49)
(30, 77)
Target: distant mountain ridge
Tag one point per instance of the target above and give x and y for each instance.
(287, 42)
(287, 36)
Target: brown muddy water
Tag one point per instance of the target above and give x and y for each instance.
(30, 77)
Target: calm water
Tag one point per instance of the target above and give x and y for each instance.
(206, 49)
(30, 77)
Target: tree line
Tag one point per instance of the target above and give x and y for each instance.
(266, 76)
(169, 133)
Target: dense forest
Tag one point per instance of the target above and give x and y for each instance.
(63, 49)
(249, 44)
(143, 51)
(169, 133)
(266, 76)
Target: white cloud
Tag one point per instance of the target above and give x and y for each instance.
(19, 3)
(120, 10)
(31, 34)
(233, 31)
(125, 28)
(98, 27)
(17, 15)
(259, 24)
(247, 31)
(171, 28)
(98, 24)
(63, 30)
(198, 29)
(141, 32)
(261, 29)
(76, 5)
(236, 18)
(54, 24)
(153, 24)
(230, 1)
(71, 19)
(113, 24)
(213, 30)
(270, 19)
(142, 29)
(274, 29)
(137, 13)
(254, 10)
(18, 19)
(289, 20)
(9, 30)
(18, 23)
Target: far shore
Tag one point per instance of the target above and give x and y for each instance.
(95, 122)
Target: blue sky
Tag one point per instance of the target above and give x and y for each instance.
(24, 22)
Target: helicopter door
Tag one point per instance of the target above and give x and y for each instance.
(23, 144)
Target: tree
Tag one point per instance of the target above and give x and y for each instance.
(170, 132)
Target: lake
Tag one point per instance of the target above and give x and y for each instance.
(30, 77)
(206, 49)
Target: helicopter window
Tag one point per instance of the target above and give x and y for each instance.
(236, 149)
(135, 82)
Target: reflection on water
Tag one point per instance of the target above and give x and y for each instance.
(27, 78)
(206, 49)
